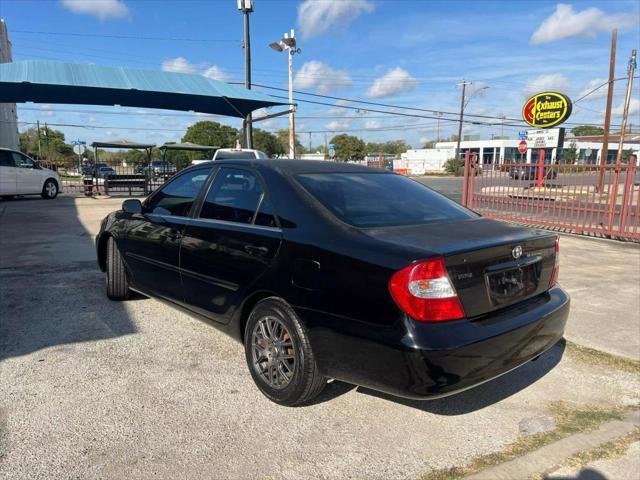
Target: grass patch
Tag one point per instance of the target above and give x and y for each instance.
(569, 421)
(613, 449)
(603, 359)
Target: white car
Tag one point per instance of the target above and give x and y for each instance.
(21, 175)
(235, 154)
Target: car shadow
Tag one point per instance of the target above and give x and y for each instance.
(487, 393)
(584, 474)
(51, 290)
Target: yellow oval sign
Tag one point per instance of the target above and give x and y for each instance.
(546, 109)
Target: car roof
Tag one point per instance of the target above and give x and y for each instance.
(297, 167)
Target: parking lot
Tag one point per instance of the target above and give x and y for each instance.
(98, 389)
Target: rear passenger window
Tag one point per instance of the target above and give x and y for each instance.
(233, 197)
(6, 159)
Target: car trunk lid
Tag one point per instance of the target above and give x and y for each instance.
(492, 265)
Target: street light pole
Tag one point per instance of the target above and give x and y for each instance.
(462, 104)
(246, 6)
(292, 120)
(289, 44)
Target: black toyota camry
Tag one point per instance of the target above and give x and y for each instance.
(335, 271)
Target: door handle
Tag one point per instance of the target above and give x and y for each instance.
(174, 234)
(255, 250)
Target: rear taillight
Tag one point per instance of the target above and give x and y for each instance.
(424, 292)
(556, 264)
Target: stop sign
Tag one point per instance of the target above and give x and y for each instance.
(522, 147)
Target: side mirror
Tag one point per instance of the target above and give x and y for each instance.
(132, 206)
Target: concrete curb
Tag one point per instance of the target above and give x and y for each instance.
(547, 457)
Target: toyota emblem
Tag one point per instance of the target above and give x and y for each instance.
(516, 252)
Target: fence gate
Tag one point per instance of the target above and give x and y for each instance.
(583, 199)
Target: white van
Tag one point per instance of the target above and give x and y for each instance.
(21, 175)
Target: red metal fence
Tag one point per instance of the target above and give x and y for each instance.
(583, 199)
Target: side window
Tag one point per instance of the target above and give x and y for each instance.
(21, 161)
(233, 196)
(6, 159)
(177, 196)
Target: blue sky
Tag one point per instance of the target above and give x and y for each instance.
(407, 53)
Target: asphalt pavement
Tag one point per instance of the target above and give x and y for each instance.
(98, 389)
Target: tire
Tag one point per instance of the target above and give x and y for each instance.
(50, 189)
(299, 378)
(117, 282)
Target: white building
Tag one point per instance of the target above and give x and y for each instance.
(499, 151)
(8, 116)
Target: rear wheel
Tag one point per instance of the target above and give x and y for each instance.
(279, 354)
(117, 282)
(50, 189)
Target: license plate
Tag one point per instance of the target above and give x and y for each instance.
(508, 285)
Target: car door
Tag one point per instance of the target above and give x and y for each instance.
(29, 177)
(151, 243)
(229, 244)
(8, 174)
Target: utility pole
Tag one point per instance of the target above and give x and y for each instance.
(438, 114)
(627, 100)
(607, 116)
(464, 84)
(39, 143)
(246, 6)
(309, 142)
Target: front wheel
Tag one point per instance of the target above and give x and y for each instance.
(50, 189)
(117, 282)
(279, 354)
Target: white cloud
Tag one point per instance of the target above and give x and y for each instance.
(316, 16)
(372, 124)
(337, 125)
(634, 108)
(394, 82)
(182, 65)
(101, 9)
(322, 77)
(554, 81)
(179, 65)
(216, 73)
(566, 22)
(600, 93)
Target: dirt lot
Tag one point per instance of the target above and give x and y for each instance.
(97, 389)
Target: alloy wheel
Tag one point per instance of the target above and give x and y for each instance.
(51, 189)
(272, 352)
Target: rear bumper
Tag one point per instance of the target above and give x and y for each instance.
(435, 360)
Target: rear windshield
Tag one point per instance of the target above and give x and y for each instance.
(380, 199)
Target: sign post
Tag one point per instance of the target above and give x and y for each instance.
(540, 168)
(79, 148)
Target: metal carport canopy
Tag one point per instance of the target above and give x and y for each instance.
(43, 81)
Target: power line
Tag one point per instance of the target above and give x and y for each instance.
(127, 37)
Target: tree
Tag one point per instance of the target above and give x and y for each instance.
(429, 144)
(586, 130)
(52, 146)
(570, 155)
(212, 133)
(348, 147)
(267, 142)
(394, 147)
(283, 137)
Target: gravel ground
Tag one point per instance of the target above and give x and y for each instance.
(99, 389)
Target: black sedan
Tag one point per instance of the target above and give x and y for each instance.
(335, 271)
